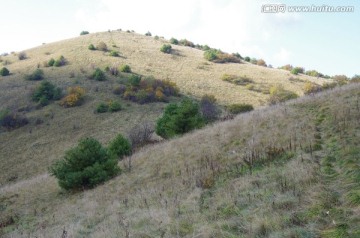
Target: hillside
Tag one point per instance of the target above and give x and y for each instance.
(54, 129)
(283, 171)
(288, 170)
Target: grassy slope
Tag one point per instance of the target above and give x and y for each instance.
(200, 185)
(37, 146)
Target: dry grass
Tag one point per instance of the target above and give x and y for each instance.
(163, 195)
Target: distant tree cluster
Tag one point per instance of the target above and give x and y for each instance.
(145, 89)
(218, 56)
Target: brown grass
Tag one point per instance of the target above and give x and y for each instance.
(161, 197)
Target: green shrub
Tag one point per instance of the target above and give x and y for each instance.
(297, 70)
(61, 61)
(247, 59)
(85, 166)
(84, 33)
(38, 74)
(278, 94)
(211, 54)
(179, 119)
(51, 62)
(91, 47)
(166, 48)
(102, 46)
(217, 56)
(148, 33)
(4, 71)
(120, 147)
(125, 68)
(134, 80)
(174, 41)
(310, 88)
(240, 108)
(98, 75)
(102, 107)
(114, 53)
(46, 92)
(114, 106)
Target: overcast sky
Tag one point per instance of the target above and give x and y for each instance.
(327, 42)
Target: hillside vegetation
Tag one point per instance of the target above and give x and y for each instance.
(284, 171)
(287, 170)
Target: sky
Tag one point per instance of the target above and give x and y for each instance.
(328, 42)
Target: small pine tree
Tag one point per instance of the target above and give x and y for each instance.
(120, 147)
(166, 48)
(85, 166)
(4, 72)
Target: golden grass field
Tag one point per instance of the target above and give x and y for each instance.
(295, 196)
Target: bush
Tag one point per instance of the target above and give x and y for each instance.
(297, 70)
(287, 67)
(141, 134)
(85, 166)
(4, 71)
(217, 56)
(278, 94)
(114, 53)
(148, 33)
(174, 41)
(211, 54)
(341, 79)
(46, 92)
(119, 90)
(166, 48)
(186, 42)
(120, 147)
(51, 62)
(238, 80)
(102, 46)
(11, 120)
(74, 98)
(98, 75)
(102, 107)
(22, 56)
(125, 68)
(84, 33)
(208, 108)
(91, 47)
(247, 59)
(61, 61)
(38, 74)
(114, 106)
(239, 108)
(261, 62)
(179, 119)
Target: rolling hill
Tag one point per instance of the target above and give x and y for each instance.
(288, 170)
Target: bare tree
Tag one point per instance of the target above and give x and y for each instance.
(141, 133)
